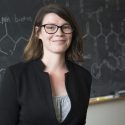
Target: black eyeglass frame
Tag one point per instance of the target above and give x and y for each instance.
(61, 27)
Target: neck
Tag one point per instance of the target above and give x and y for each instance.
(54, 62)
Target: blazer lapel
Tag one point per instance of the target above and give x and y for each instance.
(45, 88)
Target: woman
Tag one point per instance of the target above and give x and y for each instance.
(48, 88)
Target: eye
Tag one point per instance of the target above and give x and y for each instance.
(50, 27)
(67, 27)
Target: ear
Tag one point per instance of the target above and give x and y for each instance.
(37, 31)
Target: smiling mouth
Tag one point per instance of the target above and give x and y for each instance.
(59, 40)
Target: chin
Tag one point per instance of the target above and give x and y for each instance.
(61, 50)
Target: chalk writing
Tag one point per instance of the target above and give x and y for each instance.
(5, 19)
(15, 19)
(22, 19)
(103, 26)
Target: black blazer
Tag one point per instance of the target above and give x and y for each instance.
(26, 96)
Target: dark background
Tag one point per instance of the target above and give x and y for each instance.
(103, 26)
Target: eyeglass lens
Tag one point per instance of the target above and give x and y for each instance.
(52, 28)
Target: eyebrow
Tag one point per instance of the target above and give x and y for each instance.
(56, 24)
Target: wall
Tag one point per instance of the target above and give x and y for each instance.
(109, 113)
(103, 32)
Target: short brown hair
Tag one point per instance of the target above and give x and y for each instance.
(34, 48)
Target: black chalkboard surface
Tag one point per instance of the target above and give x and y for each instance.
(103, 26)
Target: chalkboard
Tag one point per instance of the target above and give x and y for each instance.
(103, 26)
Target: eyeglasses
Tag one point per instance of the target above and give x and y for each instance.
(52, 28)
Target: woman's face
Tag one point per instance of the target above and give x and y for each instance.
(58, 41)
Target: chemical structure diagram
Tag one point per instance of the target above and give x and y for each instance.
(108, 48)
(107, 45)
(10, 50)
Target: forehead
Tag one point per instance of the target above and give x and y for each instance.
(52, 18)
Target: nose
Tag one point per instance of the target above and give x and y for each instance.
(59, 31)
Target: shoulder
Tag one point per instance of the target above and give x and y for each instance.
(78, 69)
(80, 73)
(20, 67)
